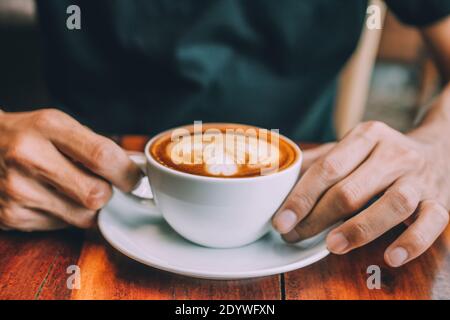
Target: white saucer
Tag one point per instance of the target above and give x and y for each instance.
(133, 231)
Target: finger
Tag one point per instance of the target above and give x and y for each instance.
(97, 153)
(395, 206)
(312, 155)
(351, 194)
(23, 219)
(41, 159)
(419, 236)
(33, 195)
(342, 159)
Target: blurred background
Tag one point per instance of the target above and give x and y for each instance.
(390, 77)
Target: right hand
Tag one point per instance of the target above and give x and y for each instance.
(55, 172)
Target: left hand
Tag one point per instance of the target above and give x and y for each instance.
(411, 176)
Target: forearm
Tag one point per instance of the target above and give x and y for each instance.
(437, 38)
(435, 127)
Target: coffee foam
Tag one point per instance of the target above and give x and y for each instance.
(225, 151)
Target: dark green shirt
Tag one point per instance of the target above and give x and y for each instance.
(142, 66)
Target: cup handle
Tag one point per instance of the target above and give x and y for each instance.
(142, 195)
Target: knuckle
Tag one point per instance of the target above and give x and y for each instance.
(443, 216)
(418, 242)
(10, 218)
(404, 200)
(373, 127)
(411, 154)
(18, 152)
(98, 195)
(12, 187)
(47, 118)
(430, 206)
(102, 154)
(347, 197)
(330, 168)
(359, 233)
(301, 201)
(440, 214)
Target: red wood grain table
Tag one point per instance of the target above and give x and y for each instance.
(33, 266)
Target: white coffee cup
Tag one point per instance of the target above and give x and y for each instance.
(214, 211)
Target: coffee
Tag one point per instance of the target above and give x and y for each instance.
(224, 150)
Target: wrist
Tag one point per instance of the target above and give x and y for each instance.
(435, 126)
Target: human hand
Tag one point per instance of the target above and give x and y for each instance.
(55, 172)
(411, 176)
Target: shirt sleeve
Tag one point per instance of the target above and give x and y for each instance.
(420, 12)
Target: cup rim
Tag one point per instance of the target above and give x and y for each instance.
(298, 161)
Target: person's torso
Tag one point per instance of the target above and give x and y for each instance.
(144, 66)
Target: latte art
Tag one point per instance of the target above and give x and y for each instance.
(225, 151)
(224, 155)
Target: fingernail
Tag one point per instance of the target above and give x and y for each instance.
(285, 221)
(337, 242)
(397, 256)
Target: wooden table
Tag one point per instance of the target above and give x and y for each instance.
(33, 266)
